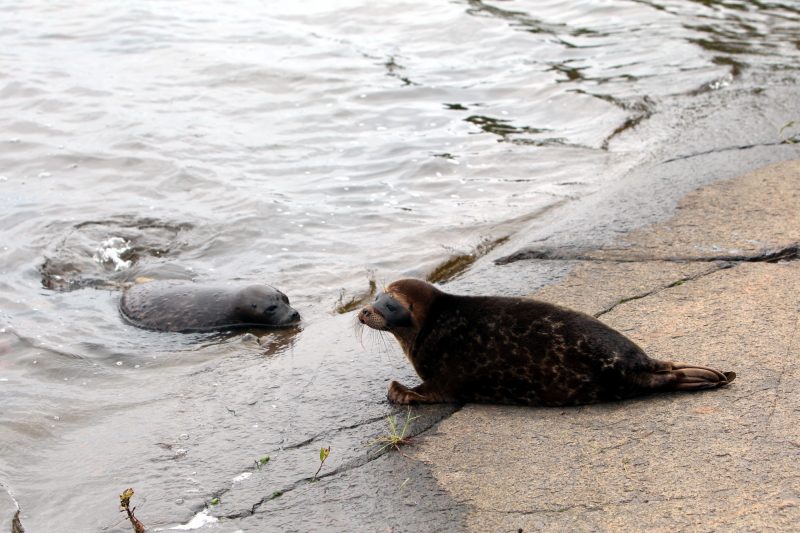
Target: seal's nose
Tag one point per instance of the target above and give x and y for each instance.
(362, 316)
(295, 317)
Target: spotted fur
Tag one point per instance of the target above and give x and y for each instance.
(521, 351)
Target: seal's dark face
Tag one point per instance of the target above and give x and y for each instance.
(386, 313)
(265, 305)
(401, 309)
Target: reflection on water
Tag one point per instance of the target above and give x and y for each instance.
(321, 148)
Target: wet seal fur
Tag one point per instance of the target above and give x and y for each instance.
(189, 307)
(518, 351)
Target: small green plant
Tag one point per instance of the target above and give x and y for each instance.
(261, 461)
(215, 501)
(323, 455)
(395, 438)
(125, 507)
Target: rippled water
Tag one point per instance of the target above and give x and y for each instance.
(314, 146)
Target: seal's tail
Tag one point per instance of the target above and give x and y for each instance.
(682, 376)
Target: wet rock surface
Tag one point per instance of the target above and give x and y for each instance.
(687, 148)
(374, 490)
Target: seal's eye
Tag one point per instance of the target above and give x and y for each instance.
(254, 306)
(391, 308)
(271, 308)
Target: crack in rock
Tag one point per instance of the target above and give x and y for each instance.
(788, 253)
(790, 140)
(353, 464)
(222, 492)
(721, 266)
(312, 438)
(350, 465)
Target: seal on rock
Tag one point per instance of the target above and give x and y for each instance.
(517, 351)
(188, 307)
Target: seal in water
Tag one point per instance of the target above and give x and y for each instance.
(187, 307)
(517, 351)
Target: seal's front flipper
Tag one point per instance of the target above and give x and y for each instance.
(420, 394)
(682, 376)
(398, 393)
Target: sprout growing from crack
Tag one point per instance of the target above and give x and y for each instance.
(323, 455)
(261, 461)
(395, 438)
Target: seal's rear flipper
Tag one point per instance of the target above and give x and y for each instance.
(682, 376)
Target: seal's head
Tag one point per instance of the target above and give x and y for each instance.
(262, 304)
(401, 309)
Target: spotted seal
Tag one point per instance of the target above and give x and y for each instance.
(187, 307)
(517, 351)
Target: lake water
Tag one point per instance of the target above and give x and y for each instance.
(318, 147)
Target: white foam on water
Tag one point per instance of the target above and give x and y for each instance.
(111, 250)
(201, 519)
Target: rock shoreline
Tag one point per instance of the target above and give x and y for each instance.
(718, 460)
